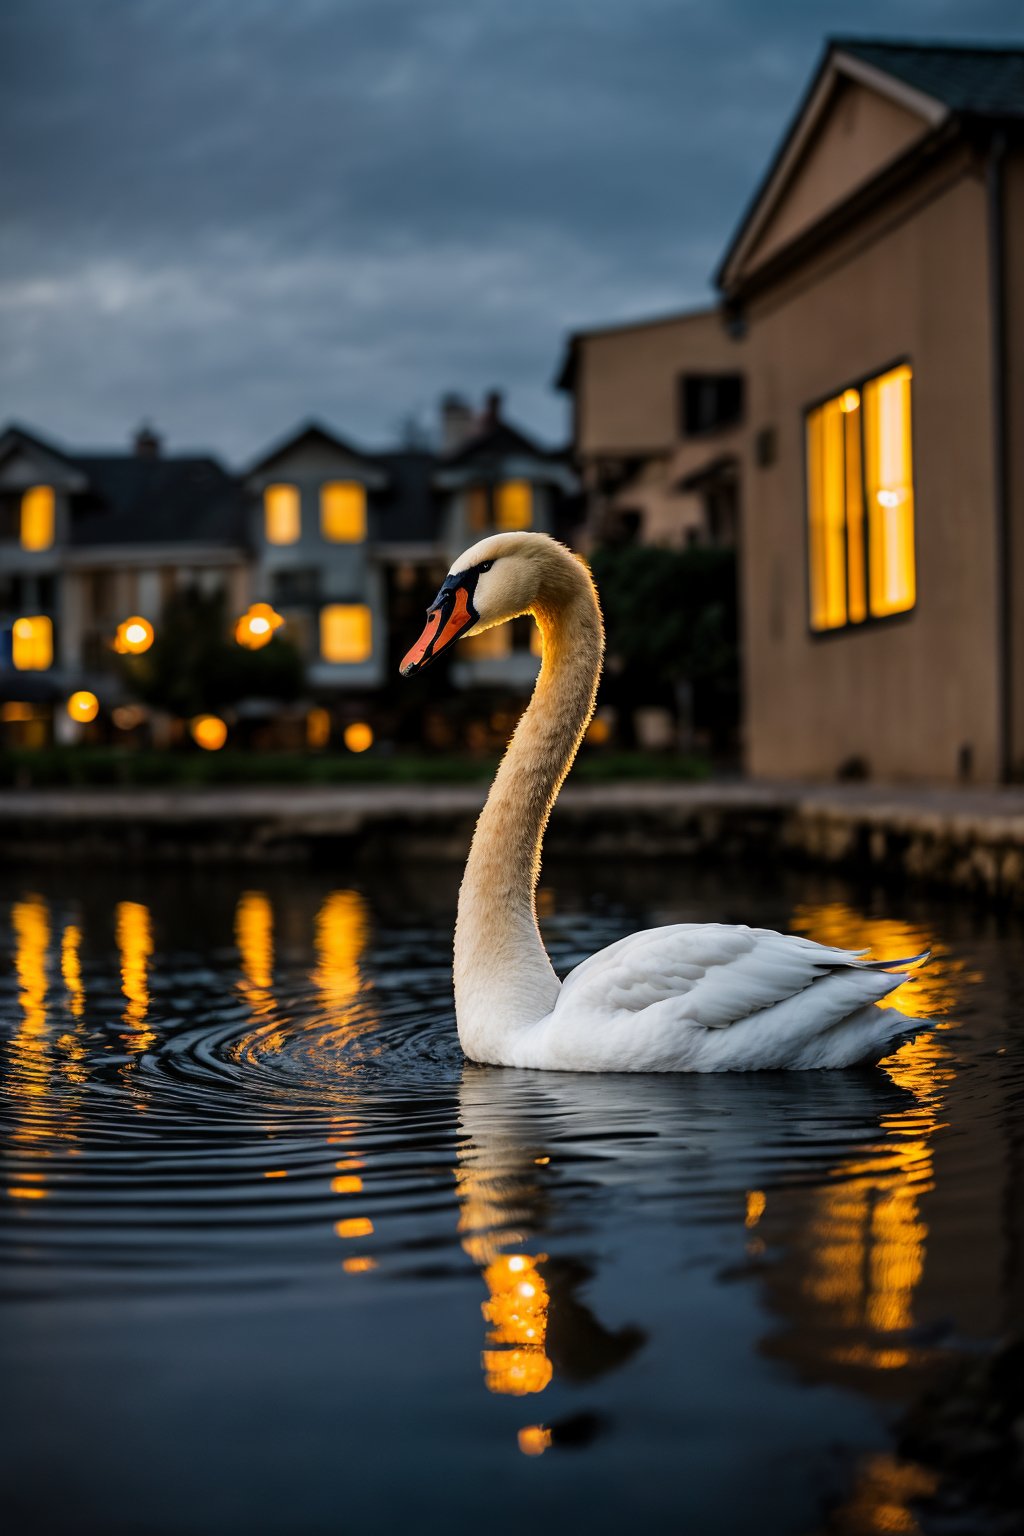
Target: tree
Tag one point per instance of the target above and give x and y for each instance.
(193, 666)
(672, 620)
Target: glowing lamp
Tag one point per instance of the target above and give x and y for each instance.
(83, 706)
(133, 636)
(209, 732)
(257, 626)
(358, 737)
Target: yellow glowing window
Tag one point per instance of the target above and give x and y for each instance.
(32, 644)
(514, 506)
(493, 642)
(343, 511)
(281, 514)
(37, 517)
(346, 632)
(860, 503)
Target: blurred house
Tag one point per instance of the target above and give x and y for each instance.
(877, 280)
(329, 536)
(658, 408)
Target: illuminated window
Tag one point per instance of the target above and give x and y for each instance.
(343, 512)
(281, 513)
(860, 503)
(513, 507)
(496, 641)
(477, 509)
(32, 644)
(37, 517)
(346, 632)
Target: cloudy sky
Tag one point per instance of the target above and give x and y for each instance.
(228, 215)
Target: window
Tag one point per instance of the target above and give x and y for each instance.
(346, 632)
(32, 644)
(860, 503)
(343, 511)
(709, 402)
(281, 514)
(513, 506)
(496, 641)
(37, 517)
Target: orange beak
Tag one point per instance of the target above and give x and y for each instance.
(448, 615)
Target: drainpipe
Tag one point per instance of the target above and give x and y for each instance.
(1004, 550)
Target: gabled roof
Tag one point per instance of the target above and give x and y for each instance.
(312, 433)
(494, 441)
(15, 439)
(939, 84)
(174, 500)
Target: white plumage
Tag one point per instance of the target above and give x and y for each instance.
(688, 998)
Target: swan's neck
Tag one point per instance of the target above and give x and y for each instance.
(503, 977)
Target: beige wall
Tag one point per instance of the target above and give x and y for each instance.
(907, 693)
(860, 133)
(627, 400)
(1014, 260)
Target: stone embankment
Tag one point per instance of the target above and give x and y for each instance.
(971, 840)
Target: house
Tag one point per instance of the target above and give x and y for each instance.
(658, 407)
(344, 545)
(90, 542)
(878, 276)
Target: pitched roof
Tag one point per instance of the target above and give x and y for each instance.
(973, 81)
(496, 440)
(136, 500)
(408, 509)
(308, 432)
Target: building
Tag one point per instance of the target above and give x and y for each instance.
(873, 302)
(657, 411)
(342, 544)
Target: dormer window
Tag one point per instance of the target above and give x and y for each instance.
(343, 512)
(860, 503)
(281, 513)
(513, 506)
(37, 517)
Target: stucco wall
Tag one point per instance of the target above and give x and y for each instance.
(908, 693)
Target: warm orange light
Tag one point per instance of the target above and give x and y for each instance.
(209, 732)
(127, 716)
(355, 1226)
(32, 643)
(534, 1439)
(343, 511)
(37, 517)
(358, 1265)
(276, 1173)
(83, 706)
(257, 626)
(346, 632)
(133, 636)
(598, 732)
(849, 400)
(318, 727)
(358, 737)
(347, 1184)
(282, 515)
(756, 1203)
(16, 1192)
(513, 506)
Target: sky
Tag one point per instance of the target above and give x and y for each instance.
(228, 216)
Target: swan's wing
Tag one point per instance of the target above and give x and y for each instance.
(712, 974)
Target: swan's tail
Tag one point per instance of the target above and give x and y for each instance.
(895, 965)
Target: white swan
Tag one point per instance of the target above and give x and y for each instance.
(693, 997)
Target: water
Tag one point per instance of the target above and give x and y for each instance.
(277, 1262)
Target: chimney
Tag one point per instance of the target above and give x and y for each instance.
(457, 422)
(146, 443)
(492, 408)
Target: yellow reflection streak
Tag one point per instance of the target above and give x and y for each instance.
(342, 930)
(867, 1237)
(134, 932)
(71, 970)
(534, 1439)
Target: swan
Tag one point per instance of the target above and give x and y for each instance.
(690, 997)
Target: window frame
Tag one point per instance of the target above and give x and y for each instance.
(870, 620)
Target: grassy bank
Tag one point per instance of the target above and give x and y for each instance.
(78, 767)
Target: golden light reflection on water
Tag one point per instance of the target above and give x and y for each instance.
(254, 936)
(865, 1247)
(340, 936)
(71, 969)
(134, 931)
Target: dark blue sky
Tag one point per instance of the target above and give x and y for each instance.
(227, 215)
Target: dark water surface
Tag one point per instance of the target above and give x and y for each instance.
(276, 1260)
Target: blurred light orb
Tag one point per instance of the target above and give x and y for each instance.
(209, 732)
(257, 626)
(133, 636)
(318, 727)
(598, 731)
(127, 716)
(83, 706)
(358, 737)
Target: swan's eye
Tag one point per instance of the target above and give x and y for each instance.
(485, 567)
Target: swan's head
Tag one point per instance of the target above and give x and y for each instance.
(498, 579)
